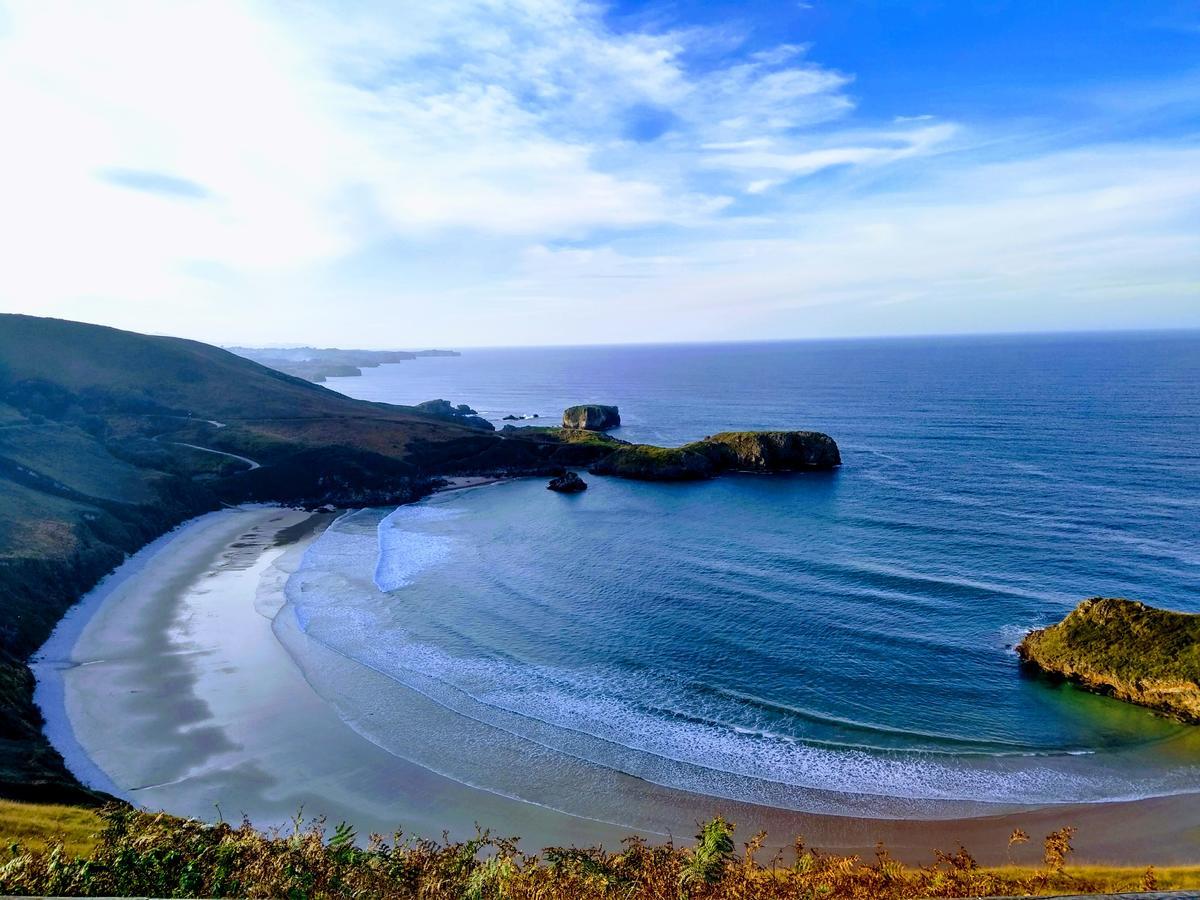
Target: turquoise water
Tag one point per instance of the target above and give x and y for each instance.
(830, 642)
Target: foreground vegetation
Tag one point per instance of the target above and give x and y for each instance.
(142, 854)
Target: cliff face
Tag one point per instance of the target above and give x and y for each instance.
(591, 417)
(1126, 649)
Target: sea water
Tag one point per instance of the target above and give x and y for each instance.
(834, 642)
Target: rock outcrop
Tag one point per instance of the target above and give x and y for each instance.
(731, 451)
(591, 417)
(462, 414)
(567, 483)
(770, 451)
(1127, 650)
(648, 463)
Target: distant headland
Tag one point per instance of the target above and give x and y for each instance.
(318, 364)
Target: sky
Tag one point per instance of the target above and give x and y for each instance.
(524, 172)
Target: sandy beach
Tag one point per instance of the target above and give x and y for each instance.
(169, 686)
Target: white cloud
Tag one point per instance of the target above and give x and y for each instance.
(227, 169)
(1098, 238)
(313, 131)
(843, 150)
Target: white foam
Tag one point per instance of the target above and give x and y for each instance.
(657, 728)
(404, 552)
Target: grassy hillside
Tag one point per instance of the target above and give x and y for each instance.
(41, 826)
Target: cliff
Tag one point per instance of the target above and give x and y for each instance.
(1125, 649)
(770, 451)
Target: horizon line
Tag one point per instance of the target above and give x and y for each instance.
(949, 335)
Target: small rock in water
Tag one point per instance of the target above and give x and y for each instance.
(568, 483)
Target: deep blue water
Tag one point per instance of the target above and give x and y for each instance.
(771, 637)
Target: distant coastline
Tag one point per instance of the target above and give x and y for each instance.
(320, 364)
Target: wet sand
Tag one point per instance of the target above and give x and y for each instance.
(169, 686)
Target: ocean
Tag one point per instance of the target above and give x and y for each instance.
(828, 642)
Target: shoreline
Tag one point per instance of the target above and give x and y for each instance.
(180, 648)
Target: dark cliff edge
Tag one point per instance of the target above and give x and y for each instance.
(1127, 650)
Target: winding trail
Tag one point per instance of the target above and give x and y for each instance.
(247, 460)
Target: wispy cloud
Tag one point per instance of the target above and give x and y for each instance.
(430, 163)
(155, 183)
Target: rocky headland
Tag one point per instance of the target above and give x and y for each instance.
(730, 451)
(317, 364)
(461, 414)
(1127, 650)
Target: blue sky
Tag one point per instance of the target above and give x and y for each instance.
(480, 172)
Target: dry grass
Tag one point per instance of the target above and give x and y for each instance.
(139, 854)
(37, 826)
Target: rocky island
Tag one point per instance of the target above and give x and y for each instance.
(567, 483)
(729, 451)
(1127, 650)
(591, 417)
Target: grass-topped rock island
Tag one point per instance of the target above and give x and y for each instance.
(730, 451)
